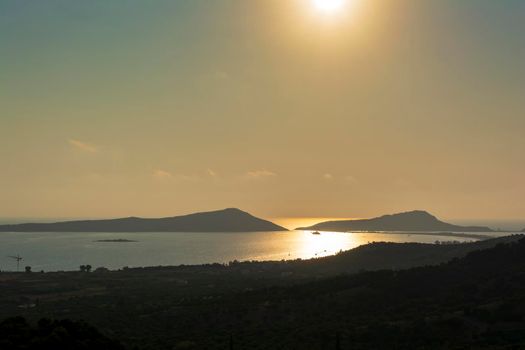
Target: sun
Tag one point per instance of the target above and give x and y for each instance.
(329, 6)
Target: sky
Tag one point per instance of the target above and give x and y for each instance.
(159, 108)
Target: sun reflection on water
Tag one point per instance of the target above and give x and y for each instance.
(326, 243)
(292, 223)
(307, 245)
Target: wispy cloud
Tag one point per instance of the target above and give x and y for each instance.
(162, 174)
(221, 75)
(345, 180)
(262, 173)
(349, 179)
(83, 146)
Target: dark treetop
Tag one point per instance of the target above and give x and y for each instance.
(409, 221)
(476, 301)
(227, 220)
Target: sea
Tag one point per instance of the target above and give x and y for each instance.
(67, 251)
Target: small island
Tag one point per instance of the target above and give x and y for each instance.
(115, 241)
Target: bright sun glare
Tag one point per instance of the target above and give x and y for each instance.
(329, 6)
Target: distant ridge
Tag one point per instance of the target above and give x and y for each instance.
(226, 220)
(417, 220)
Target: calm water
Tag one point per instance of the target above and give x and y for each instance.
(66, 251)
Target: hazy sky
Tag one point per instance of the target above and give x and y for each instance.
(157, 108)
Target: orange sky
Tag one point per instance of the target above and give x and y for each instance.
(170, 107)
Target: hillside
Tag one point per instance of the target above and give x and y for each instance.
(383, 255)
(475, 301)
(410, 221)
(17, 334)
(227, 220)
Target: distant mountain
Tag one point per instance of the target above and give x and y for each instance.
(409, 221)
(227, 220)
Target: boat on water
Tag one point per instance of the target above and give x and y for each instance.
(316, 233)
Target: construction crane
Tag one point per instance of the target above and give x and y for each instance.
(18, 258)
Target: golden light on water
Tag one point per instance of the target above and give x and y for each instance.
(327, 243)
(307, 245)
(292, 223)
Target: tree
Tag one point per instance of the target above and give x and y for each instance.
(17, 333)
(28, 269)
(85, 268)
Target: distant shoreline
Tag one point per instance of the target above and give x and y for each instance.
(428, 233)
(225, 220)
(451, 247)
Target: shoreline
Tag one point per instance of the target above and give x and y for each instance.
(507, 238)
(479, 235)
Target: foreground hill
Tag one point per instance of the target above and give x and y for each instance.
(17, 334)
(410, 221)
(227, 220)
(476, 301)
(384, 255)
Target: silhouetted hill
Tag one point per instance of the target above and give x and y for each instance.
(473, 302)
(227, 220)
(385, 255)
(477, 302)
(409, 221)
(17, 334)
